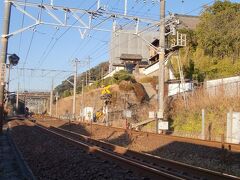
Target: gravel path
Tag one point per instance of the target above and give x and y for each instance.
(54, 158)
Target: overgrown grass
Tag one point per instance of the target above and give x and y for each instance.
(188, 119)
(125, 86)
(118, 77)
(150, 79)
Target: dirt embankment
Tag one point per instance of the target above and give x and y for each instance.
(120, 101)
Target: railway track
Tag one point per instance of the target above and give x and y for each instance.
(216, 144)
(223, 145)
(152, 166)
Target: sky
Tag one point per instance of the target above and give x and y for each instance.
(54, 47)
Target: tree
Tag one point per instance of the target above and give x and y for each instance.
(218, 31)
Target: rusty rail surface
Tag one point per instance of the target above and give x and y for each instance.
(153, 166)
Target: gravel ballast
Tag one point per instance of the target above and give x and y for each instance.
(50, 157)
(193, 154)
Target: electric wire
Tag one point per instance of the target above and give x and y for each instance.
(31, 40)
(94, 51)
(100, 55)
(118, 2)
(59, 37)
(42, 58)
(29, 48)
(22, 23)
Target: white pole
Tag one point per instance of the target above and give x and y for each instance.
(125, 7)
(203, 124)
(98, 4)
(56, 105)
(51, 99)
(74, 90)
(82, 101)
(17, 101)
(161, 76)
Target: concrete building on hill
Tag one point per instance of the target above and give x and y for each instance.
(131, 52)
(125, 45)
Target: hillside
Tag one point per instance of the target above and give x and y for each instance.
(212, 52)
(213, 48)
(96, 73)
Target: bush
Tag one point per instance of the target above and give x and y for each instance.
(66, 93)
(122, 76)
(103, 82)
(125, 86)
(108, 81)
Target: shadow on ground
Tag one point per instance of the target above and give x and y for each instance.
(78, 128)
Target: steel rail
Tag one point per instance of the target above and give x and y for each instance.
(216, 144)
(140, 168)
(180, 170)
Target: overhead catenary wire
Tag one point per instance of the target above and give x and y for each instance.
(132, 7)
(100, 55)
(34, 30)
(94, 51)
(45, 52)
(186, 13)
(59, 37)
(29, 48)
(31, 40)
(20, 39)
(22, 24)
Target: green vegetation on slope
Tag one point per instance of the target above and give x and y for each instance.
(65, 89)
(212, 52)
(213, 48)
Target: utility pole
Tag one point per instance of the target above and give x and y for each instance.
(125, 7)
(56, 105)
(89, 71)
(82, 101)
(75, 62)
(51, 99)
(17, 101)
(161, 77)
(4, 48)
(74, 88)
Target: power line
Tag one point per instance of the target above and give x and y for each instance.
(41, 61)
(57, 39)
(134, 37)
(107, 43)
(199, 7)
(23, 19)
(29, 47)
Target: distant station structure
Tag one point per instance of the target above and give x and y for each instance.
(37, 102)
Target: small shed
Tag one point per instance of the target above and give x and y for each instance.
(131, 61)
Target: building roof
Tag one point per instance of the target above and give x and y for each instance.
(188, 21)
(131, 57)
